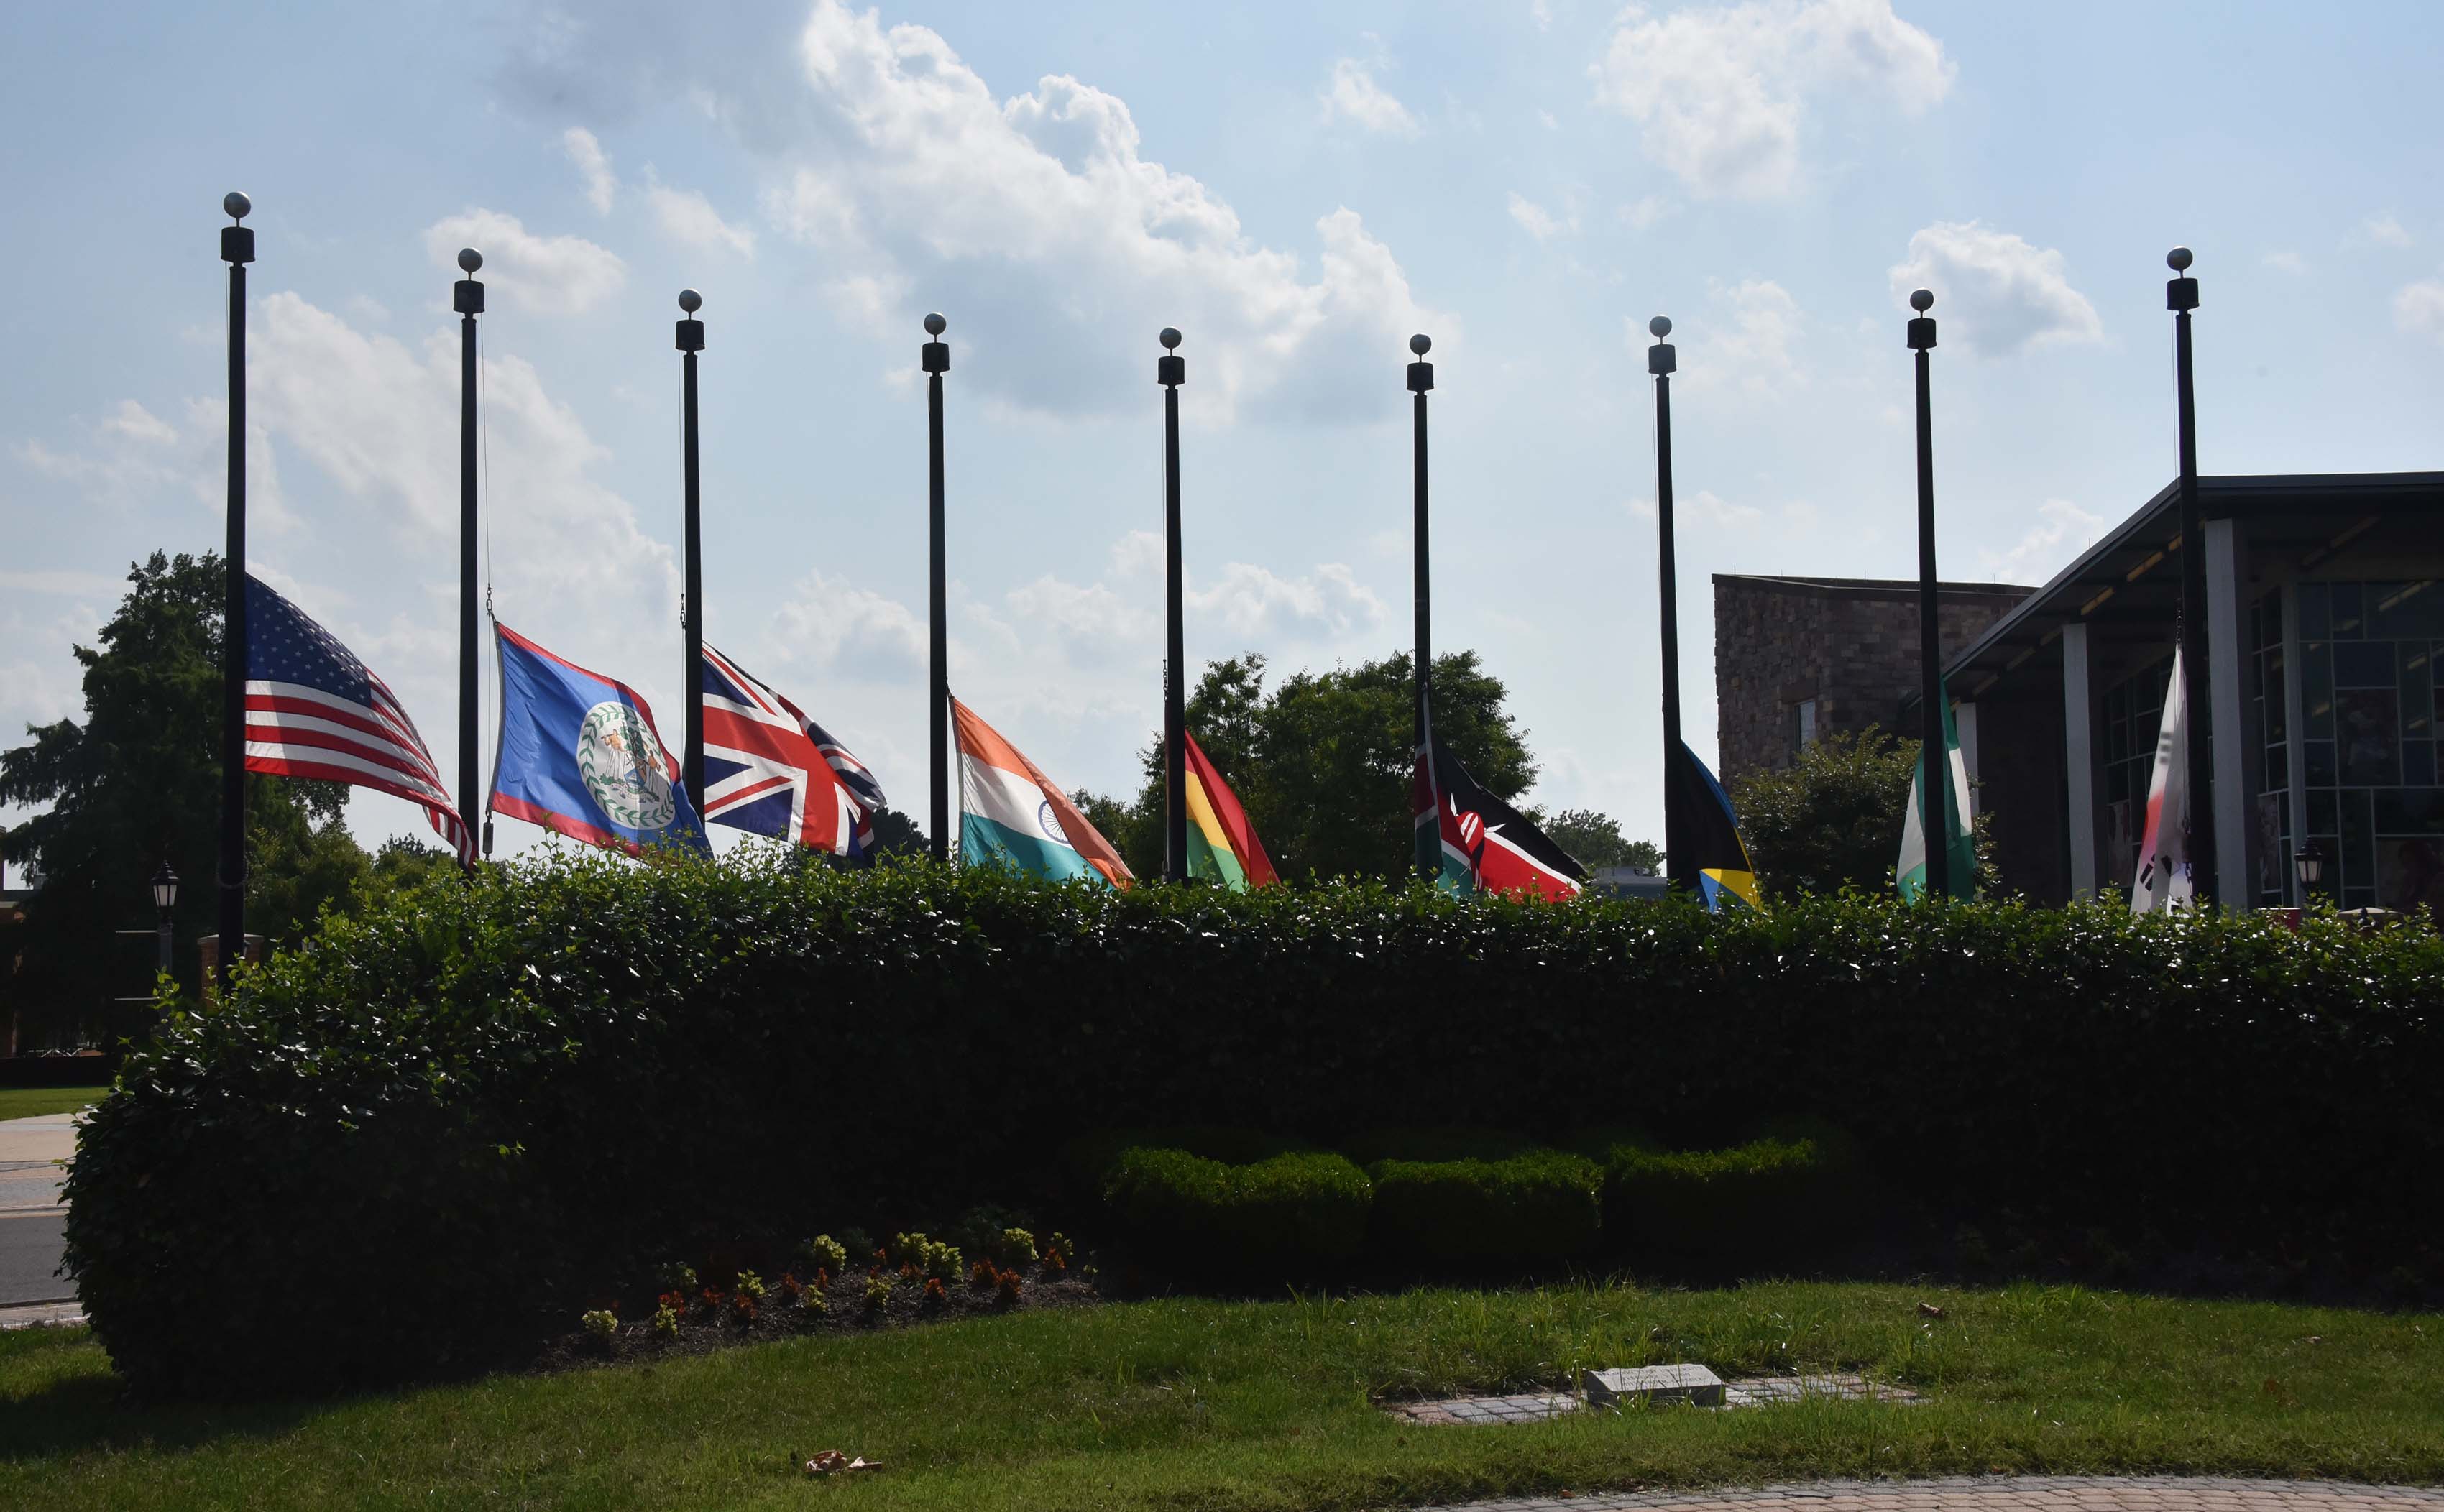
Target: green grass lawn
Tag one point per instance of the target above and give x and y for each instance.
(1190, 1405)
(29, 1102)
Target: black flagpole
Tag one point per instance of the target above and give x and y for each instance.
(237, 250)
(1680, 868)
(1421, 382)
(1171, 371)
(1935, 760)
(936, 361)
(468, 300)
(691, 341)
(2180, 297)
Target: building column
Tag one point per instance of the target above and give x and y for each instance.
(2295, 738)
(1963, 722)
(2079, 761)
(2227, 651)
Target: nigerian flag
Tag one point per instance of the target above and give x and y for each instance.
(1960, 850)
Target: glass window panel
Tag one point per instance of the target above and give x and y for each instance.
(2277, 705)
(2363, 664)
(2278, 766)
(2322, 812)
(2347, 625)
(2406, 609)
(2317, 689)
(2417, 702)
(2315, 621)
(2371, 736)
(2320, 762)
(2117, 781)
(2418, 761)
(2410, 811)
(2358, 838)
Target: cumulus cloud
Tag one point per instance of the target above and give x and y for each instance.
(1721, 95)
(1539, 222)
(687, 216)
(1354, 96)
(550, 275)
(593, 167)
(1751, 349)
(1995, 292)
(2062, 530)
(132, 459)
(832, 626)
(1037, 222)
(2418, 308)
(2379, 231)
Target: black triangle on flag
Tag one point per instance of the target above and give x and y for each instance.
(1502, 851)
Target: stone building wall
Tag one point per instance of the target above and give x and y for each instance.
(1848, 643)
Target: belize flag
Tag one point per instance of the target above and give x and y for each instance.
(580, 754)
(1010, 813)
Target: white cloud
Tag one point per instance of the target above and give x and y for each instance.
(1752, 351)
(2379, 231)
(1706, 506)
(688, 218)
(1993, 291)
(1546, 119)
(2286, 263)
(2418, 308)
(593, 167)
(2062, 530)
(1055, 247)
(1354, 96)
(1541, 13)
(137, 423)
(551, 275)
(1539, 222)
(1646, 212)
(831, 626)
(138, 459)
(1721, 95)
(1258, 606)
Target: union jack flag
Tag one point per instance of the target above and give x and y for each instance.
(313, 710)
(771, 770)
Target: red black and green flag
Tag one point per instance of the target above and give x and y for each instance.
(1482, 845)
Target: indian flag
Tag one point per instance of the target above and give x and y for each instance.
(1222, 845)
(1011, 814)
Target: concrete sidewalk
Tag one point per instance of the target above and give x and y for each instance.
(33, 1163)
(2000, 1493)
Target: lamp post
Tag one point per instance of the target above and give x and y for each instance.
(935, 360)
(165, 899)
(237, 250)
(1171, 371)
(1934, 818)
(467, 298)
(2181, 297)
(2309, 864)
(1421, 382)
(691, 341)
(1679, 867)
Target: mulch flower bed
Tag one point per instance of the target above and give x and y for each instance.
(715, 1317)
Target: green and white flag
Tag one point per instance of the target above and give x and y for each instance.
(1960, 850)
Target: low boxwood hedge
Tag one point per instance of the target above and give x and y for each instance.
(1534, 1209)
(1783, 1195)
(1288, 1217)
(462, 1114)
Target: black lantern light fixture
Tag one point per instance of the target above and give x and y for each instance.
(165, 899)
(2309, 863)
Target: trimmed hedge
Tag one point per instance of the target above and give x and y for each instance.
(1538, 1207)
(454, 1119)
(1288, 1217)
(1778, 1194)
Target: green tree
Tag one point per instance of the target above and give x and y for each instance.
(1833, 817)
(138, 783)
(1595, 839)
(1322, 761)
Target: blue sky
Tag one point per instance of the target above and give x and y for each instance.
(1296, 186)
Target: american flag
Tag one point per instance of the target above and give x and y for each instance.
(771, 770)
(313, 710)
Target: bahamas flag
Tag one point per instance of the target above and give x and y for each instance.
(1719, 857)
(1011, 814)
(1959, 849)
(1222, 845)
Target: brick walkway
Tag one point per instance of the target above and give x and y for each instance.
(2027, 1493)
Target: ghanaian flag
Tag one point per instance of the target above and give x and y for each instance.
(1717, 858)
(1222, 845)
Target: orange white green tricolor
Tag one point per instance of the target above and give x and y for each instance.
(1222, 845)
(1012, 815)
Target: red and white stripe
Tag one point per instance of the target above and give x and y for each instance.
(293, 731)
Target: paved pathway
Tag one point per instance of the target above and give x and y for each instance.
(2000, 1493)
(31, 1216)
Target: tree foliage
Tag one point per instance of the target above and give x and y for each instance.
(1322, 760)
(1595, 839)
(1833, 818)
